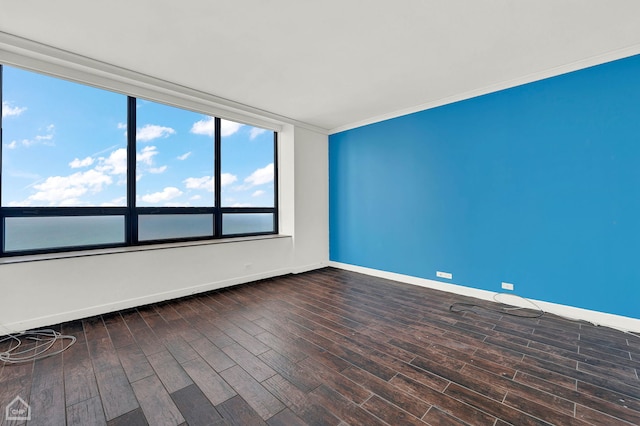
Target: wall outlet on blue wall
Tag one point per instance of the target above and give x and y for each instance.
(507, 286)
(524, 183)
(446, 275)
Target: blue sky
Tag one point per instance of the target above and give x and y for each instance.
(64, 144)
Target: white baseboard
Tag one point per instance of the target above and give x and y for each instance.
(58, 318)
(597, 318)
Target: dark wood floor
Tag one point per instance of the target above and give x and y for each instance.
(331, 347)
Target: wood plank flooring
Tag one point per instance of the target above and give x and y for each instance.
(330, 347)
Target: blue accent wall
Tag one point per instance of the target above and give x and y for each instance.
(538, 185)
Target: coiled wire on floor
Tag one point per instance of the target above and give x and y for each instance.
(33, 345)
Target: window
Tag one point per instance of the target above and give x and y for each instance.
(83, 167)
(247, 180)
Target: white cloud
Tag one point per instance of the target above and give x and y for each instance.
(204, 127)
(258, 193)
(146, 155)
(45, 139)
(255, 132)
(205, 182)
(65, 190)
(116, 202)
(260, 176)
(23, 142)
(167, 194)
(151, 131)
(228, 128)
(115, 164)
(77, 163)
(123, 126)
(71, 202)
(242, 205)
(158, 170)
(196, 198)
(227, 179)
(9, 111)
(68, 190)
(207, 127)
(184, 156)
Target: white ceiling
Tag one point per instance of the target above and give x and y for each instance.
(335, 63)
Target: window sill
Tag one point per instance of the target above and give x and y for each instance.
(130, 249)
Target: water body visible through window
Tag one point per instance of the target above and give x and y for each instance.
(84, 167)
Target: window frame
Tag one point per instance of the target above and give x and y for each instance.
(131, 212)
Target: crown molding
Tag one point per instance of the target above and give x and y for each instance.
(35, 56)
(529, 78)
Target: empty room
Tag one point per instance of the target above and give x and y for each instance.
(320, 213)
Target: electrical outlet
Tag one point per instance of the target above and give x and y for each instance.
(507, 286)
(446, 275)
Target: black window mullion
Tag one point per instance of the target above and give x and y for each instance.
(131, 212)
(240, 210)
(1, 233)
(131, 219)
(275, 183)
(1, 210)
(62, 211)
(217, 226)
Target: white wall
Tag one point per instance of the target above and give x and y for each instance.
(46, 292)
(311, 236)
